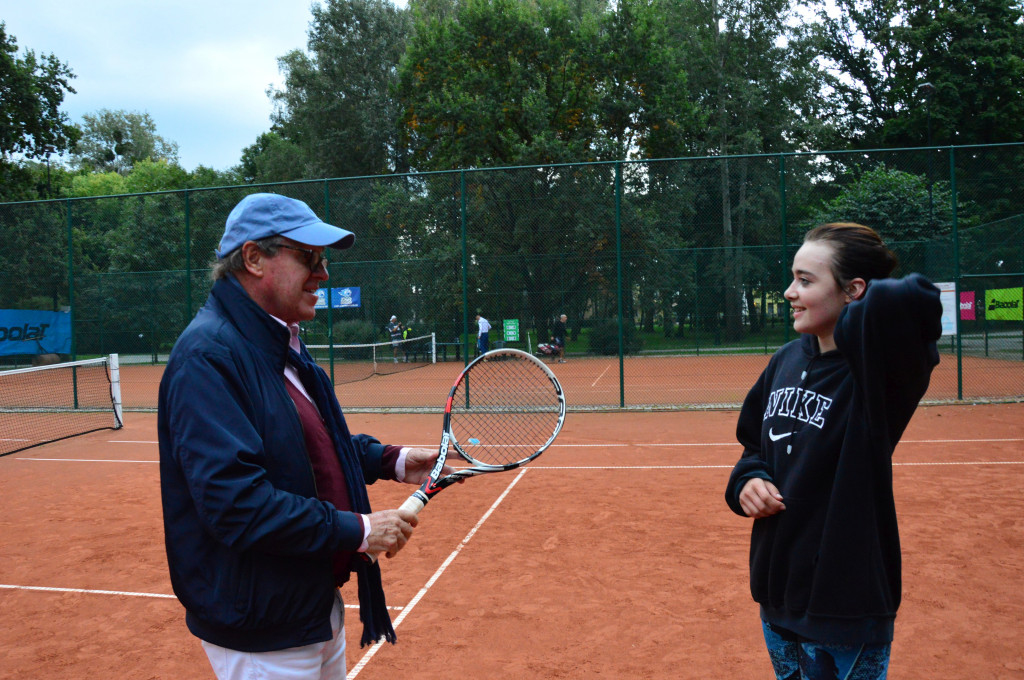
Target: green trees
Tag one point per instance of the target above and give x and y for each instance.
(973, 52)
(32, 126)
(970, 51)
(948, 73)
(759, 89)
(114, 141)
(898, 204)
(337, 105)
(420, 101)
(499, 82)
(272, 158)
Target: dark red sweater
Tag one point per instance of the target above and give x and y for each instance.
(330, 479)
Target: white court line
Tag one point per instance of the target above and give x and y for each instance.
(86, 460)
(568, 446)
(89, 592)
(611, 446)
(736, 444)
(957, 441)
(585, 467)
(729, 467)
(7, 586)
(644, 444)
(975, 462)
(437, 574)
(601, 376)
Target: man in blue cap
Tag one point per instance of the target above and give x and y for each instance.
(263, 487)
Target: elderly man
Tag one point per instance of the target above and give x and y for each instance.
(264, 489)
(558, 337)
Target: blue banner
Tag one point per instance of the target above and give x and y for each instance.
(340, 297)
(29, 331)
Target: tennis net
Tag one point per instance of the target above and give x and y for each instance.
(48, 403)
(351, 363)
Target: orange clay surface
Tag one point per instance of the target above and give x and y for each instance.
(657, 381)
(612, 556)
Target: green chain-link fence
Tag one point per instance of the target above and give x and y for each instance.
(670, 271)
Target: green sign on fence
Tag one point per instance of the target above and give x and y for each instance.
(511, 330)
(1003, 304)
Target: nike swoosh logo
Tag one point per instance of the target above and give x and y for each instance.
(776, 437)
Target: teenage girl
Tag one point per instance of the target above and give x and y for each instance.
(818, 431)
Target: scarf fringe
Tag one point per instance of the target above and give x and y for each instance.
(373, 608)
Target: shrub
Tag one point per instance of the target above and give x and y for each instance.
(604, 338)
(353, 333)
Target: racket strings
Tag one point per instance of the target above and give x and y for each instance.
(504, 411)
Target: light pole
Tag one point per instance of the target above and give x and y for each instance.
(928, 90)
(48, 149)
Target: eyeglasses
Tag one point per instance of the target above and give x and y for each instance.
(314, 259)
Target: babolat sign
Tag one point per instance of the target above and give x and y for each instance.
(29, 331)
(1004, 304)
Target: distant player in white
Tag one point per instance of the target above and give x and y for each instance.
(482, 333)
(395, 329)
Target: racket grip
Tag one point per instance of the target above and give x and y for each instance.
(412, 504)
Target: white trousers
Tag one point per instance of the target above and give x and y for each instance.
(320, 661)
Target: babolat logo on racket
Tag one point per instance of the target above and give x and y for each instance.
(439, 464)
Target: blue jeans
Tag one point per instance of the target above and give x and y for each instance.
(481, 343)
(797, 658)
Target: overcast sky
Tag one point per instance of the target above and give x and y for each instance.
(200, 69)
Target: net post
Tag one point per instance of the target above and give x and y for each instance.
(115, 390)
(74, 385)
(433, 348)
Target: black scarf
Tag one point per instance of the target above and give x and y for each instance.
(373, 611)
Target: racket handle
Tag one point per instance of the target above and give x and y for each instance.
(412, 504)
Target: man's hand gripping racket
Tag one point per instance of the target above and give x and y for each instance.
(504, 410)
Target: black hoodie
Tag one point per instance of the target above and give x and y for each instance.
(822, 427)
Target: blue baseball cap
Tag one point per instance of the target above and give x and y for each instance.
(261, 215)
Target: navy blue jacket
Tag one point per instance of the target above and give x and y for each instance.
(248, 543)
(822, 427)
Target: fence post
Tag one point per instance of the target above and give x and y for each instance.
(71, 283)
(154, 341)
(465, 268)
(764, 314)
(956, 275)
(618, 274)
(330, 301)
(785, 243)
(696, 310)
(103, 314)
(188, 261)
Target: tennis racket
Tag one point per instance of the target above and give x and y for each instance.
(504, 410)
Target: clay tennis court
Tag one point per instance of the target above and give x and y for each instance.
(612, 556)
(593, 382)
